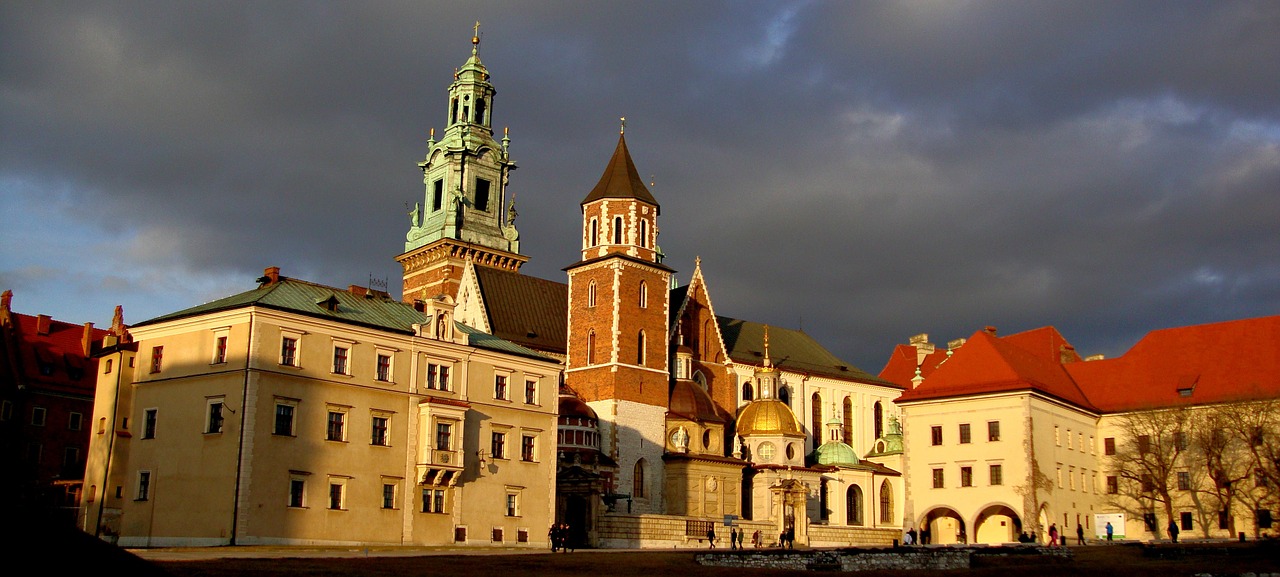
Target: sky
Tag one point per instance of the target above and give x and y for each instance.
(864, 171)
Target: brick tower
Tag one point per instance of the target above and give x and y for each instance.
(618, 327)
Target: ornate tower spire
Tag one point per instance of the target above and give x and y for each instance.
(465, 214)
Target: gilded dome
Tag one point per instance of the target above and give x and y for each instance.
(767, 417)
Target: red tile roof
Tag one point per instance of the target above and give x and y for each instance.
(1218, 362)
(901, 367)
(54, 361)
(988, 364)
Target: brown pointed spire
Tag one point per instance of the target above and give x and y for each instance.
(620, 179)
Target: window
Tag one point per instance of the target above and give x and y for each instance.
(591, 348)
(38, 416)
(1224, 519)
(1109, 446)
(102, 425)
(500, 387)
(437, 195)
(997, 474)
(383, 371)
(964, 433)
(644, 234)
(1071, 477)
(337, 494)
(297, 491)
(433, 501)
(993, 431)
(1070, 444)
(1059, 472)
(70, 458)
(1264, 518)
(1186, 521)
(936, 431)
(637, 480)
(527, 448)
(388, 495)
(1080, 441)
(444, 432)
(877, 417)
(340, 360)
(1149, 519)
(617, 230)
(284, 419)
(966, 476)
(213, 418)
(144, 485)
(1057, 436)
(1144, 444)
(75, 421)
(106, 367)
(644, 294)
(1148, 484)
(149, 418)
(482, 193)
(289, 351)
(1180, 440)
(591, 294)
(594, 236)
(530, 392)
(336, 429)
(886, 503)
(438, 376)
(498, 445)
(513, 504)
(1184, 481)
(640, 349)
(157, 358)
(853, 505)
(1113, 485)
(220, 350)
(380, 426)
(937, 479)
(748, 393)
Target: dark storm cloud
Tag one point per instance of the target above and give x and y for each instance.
(868, 170)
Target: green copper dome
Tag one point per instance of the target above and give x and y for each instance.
(836, 453)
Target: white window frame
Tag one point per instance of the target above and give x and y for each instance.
(348, 348)
(297, 348)
(394, 483)
(154, 423)
(346, 422)
(537, 387)
(75, 421)
(143, 489)
(391, 364)
(209, 402)
(505, 376)
(511, 504)
(293, 418)
(530, 434)
(220, 333)
(342, 493)
(386, 436)
(39, 415)
(301, 478)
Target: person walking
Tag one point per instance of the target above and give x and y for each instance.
(742, 534)
(711, 537)
(1079, 534)
(1173, 530)
(733, 538)
(755, 539)
(1110, 530)
(1053, 534)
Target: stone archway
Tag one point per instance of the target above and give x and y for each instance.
(1043, 517)
(997, 523)
(945, 526)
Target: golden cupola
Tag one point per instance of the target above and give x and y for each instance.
(766, 415)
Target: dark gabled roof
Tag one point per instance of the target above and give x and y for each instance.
(620, 179)
(334, 304)
(526, 310)
(790, 350)
(54, 361)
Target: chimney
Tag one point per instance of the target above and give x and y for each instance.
(86, 341)
(42, 324)
(923, 347)
(1067, 354)
(6, 300)
(1095, 358)
(270, 275)
(990, 330)
(419, 306)
(953, 345)
(357, 290)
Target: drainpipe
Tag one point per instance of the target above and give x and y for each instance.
(244, 398)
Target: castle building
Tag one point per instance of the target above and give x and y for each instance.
(47, 376)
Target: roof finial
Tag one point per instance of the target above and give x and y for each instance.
(623, 129)
(767, 363)
(475, 38)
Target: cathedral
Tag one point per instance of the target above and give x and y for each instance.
(673, 419)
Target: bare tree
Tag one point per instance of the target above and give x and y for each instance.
(1148, 457)
(1256, 429)
(1219, 462)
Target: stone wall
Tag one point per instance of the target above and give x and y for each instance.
(900, 558)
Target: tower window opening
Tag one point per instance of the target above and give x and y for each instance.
(437, 195)
(482, 194)
(594, 236)
(617, 230)
(644, 295)
(644, 233)
(453, 111)
(640, 349)
(591, 294)
(480, 109)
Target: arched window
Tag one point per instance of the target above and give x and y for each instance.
(644, 294)
(701, 380)
(617, 230)
(591, 348)
(853, 505)
(815, 409)
(784, 395)
(637, 480)
(708, 334)
(640, 349)
(747, 392)
(591, 294)
(594, 237)
(877, 417)
(824, 500)
(886, 502)
(644, 233)
(848, 421)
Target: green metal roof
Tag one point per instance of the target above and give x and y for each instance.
(374, 310)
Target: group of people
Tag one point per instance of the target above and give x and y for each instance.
(738, 536)
(559, 536)
(912, 537)
(1055, 539)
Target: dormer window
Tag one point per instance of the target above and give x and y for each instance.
(330, 304)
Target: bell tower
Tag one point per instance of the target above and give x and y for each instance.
(618, 326)
(466, 213)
